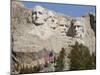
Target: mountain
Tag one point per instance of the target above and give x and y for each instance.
(56, 32)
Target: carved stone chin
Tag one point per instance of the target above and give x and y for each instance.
(37, 23)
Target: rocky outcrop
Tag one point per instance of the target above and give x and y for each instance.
(55, 32)
(93, 21)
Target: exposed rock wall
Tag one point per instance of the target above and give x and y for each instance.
(57, 30)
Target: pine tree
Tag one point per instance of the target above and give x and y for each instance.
(60, 61)
(80, 58)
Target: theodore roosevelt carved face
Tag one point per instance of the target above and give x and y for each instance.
(63, 26)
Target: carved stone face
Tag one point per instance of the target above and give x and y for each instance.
(79, 29)
(39, 15)
(52, 20)
(64, 26)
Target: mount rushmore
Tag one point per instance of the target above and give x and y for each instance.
(33, 30)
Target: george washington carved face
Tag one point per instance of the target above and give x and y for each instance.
(38, 15)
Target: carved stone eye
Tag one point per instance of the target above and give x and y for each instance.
(67, 26)
(61, 25)
(34, 13)
(78, 26)
(40, 13)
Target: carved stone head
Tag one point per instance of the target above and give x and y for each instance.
(39, 15)
(79, 29)
(64, 25)
(52, 20)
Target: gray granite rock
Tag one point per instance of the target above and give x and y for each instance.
(53, 32)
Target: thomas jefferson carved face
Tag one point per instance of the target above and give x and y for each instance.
(38, 15)
(52, 20)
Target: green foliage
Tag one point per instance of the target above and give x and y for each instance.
(60, 61)
(37, 68)
(94, 59)
(80, 58)
(22, 69)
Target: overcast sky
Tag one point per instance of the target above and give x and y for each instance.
(67, 9)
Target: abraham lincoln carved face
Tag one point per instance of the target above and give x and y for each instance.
(79, 29)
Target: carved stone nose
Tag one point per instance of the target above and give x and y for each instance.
(76, 28)
(36, 17)
(64, 29)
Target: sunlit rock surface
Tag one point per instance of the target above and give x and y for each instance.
(33, 30)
